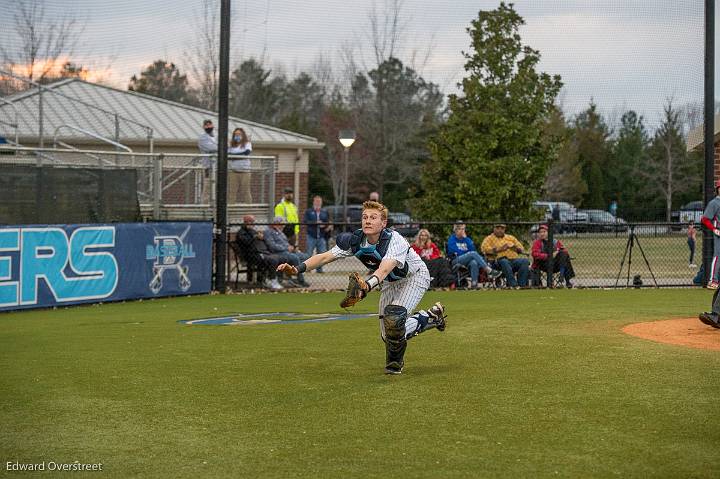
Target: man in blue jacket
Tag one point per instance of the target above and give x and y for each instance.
(462, 248)
(318, 228)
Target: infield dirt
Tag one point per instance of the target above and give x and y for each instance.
(685, 332)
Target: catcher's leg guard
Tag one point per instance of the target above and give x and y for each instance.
(394, 318)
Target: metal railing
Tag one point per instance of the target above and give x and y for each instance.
(12, 124)
(90, 134)
(170, 186)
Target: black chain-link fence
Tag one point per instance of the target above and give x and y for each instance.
(586, 255)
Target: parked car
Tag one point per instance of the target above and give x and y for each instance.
(601, 220)
(403, 224)
(564, 213)
(354, 212)
(691, 212)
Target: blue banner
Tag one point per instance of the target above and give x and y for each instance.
(56, 265)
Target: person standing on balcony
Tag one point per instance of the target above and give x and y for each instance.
(207, 144)
(239, 179)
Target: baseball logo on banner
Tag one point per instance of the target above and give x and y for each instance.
(42, 266)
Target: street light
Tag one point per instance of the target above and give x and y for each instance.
(347, 138)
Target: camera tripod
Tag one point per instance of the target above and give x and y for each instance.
(632, 240)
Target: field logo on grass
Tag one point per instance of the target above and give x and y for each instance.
(168, 253)
(243, 319)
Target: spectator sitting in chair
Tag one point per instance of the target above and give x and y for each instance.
(277, 243)
(255, 252)
(541, 251)
(505, 250)
(440, 271)
(462, 249)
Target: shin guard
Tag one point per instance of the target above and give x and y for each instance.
(395, 343)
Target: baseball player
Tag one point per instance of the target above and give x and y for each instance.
(401, 275)
(711, 220)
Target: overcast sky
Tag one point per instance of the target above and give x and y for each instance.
(625, 54)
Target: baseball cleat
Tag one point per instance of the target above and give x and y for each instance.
(437, 313)
(394, 367)
(711, 319)
(713, 285)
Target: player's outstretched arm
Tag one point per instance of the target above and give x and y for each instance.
(310, 263)
(386, 266)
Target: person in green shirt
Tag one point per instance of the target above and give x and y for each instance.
(287, 209)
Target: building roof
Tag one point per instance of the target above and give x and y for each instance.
(695, 137)
(81, 104)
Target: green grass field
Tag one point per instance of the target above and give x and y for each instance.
(522, 384)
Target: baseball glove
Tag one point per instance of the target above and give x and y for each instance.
(357, 289)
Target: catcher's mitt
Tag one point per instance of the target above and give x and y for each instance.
(357, 289)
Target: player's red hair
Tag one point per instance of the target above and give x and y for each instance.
(374, 205)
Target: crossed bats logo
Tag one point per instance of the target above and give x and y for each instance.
(168, 253)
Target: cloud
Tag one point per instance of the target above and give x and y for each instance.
(619, 60)
(632, 53)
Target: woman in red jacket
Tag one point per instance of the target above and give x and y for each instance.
(424, 246)
(440, 270)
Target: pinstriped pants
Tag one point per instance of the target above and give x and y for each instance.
(406, 293)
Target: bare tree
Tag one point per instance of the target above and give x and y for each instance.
(204, 53)
(44, 42)
(322, 71)
(386, 30)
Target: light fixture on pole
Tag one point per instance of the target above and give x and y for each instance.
(347, 138)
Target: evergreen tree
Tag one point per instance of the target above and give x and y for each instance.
(163, 79)
(489, 160)
(394, 121)
(302, 105)
(591, 140)
(254, 95)
(629, 152)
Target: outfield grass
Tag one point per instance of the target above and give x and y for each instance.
(522, 384)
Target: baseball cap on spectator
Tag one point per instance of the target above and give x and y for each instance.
(543, 227)
(499, 225)
(278, 220)
(287, 189)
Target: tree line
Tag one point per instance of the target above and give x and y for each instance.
(484, 153)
